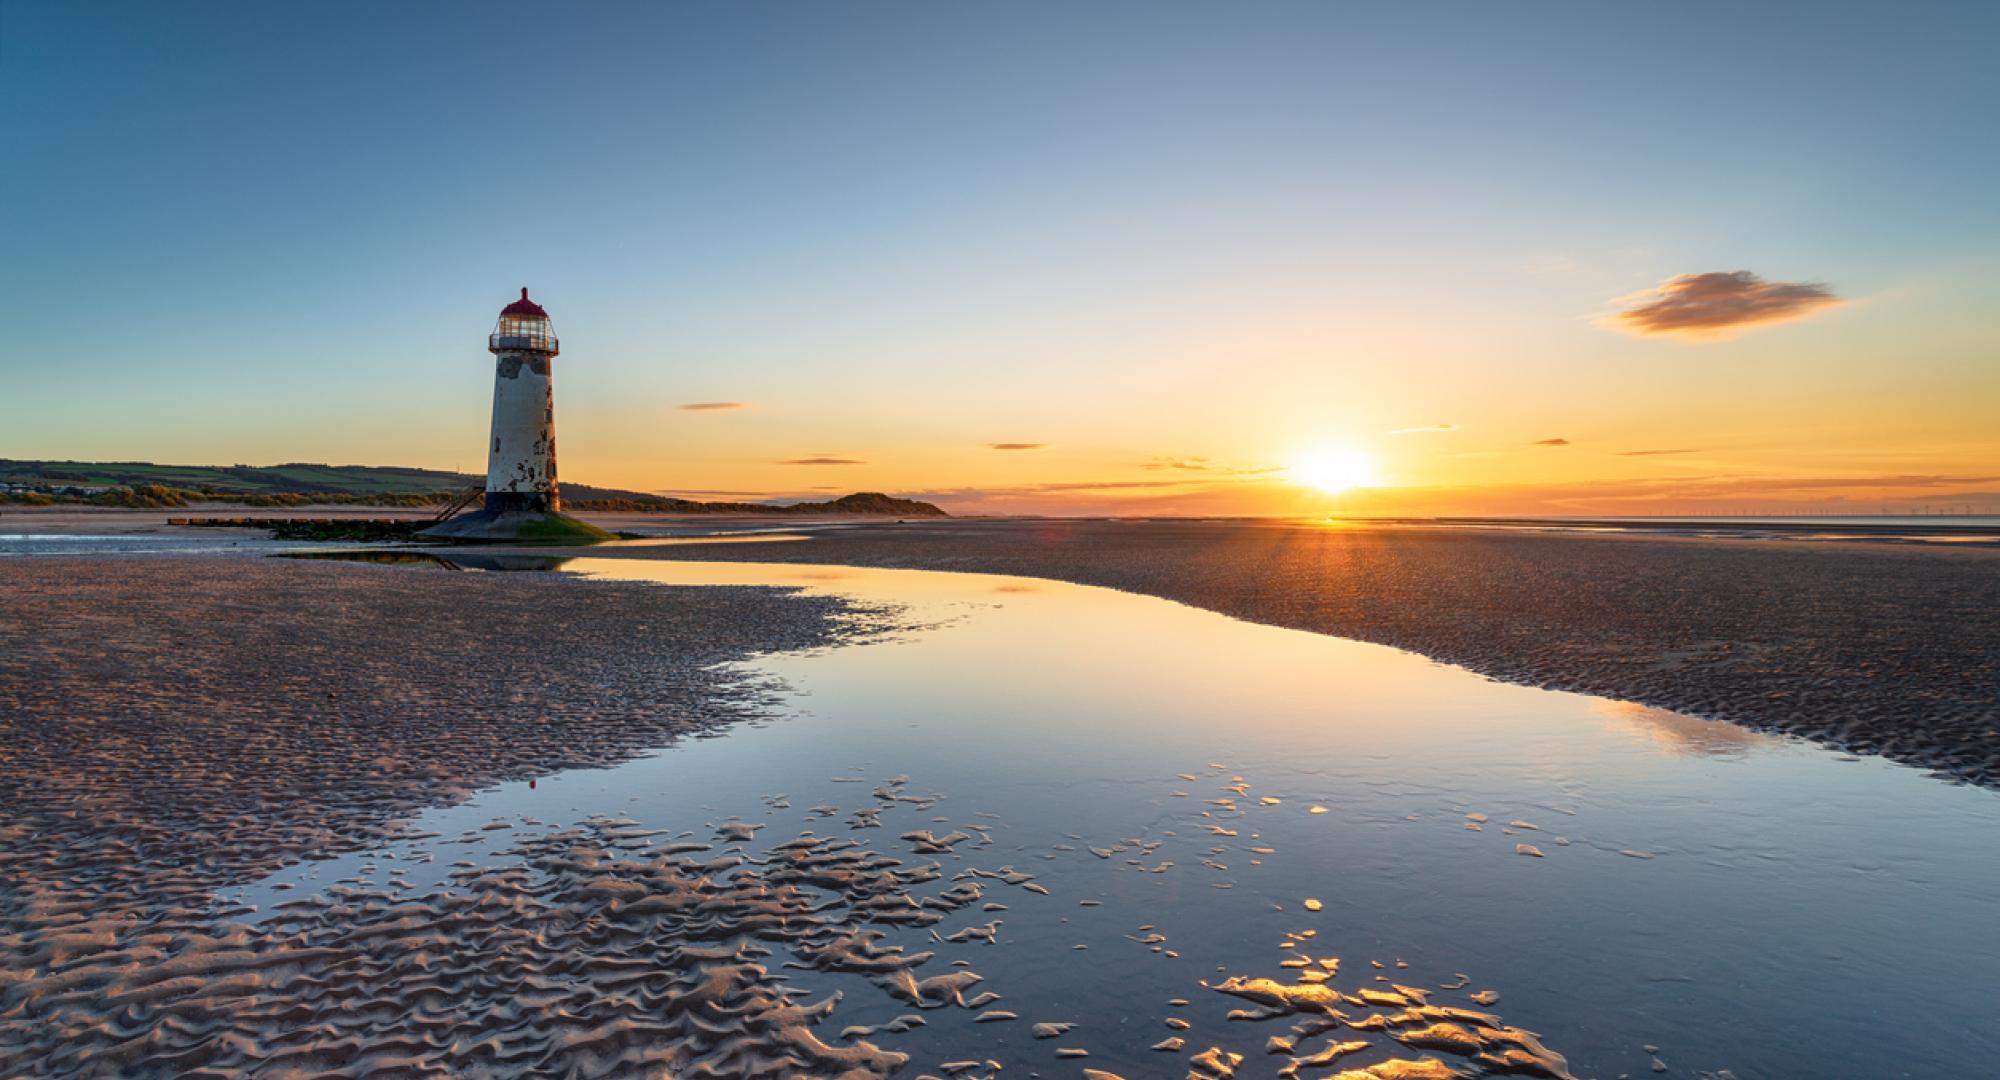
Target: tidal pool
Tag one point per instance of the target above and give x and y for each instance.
(1637, 887)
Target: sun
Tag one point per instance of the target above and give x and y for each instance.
(1334, 469)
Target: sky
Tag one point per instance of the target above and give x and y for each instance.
(1106, 258)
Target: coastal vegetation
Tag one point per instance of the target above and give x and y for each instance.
(146, 486)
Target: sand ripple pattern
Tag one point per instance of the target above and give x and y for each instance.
(600, 953)
(171, 727)
(1472, 1042)
(168, 726)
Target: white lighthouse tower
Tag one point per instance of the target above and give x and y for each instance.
(521, 466)
(522, 500)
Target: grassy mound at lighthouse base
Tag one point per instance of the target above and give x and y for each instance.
(558, 528)
(490, 527)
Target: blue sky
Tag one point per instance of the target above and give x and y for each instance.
(897, 232)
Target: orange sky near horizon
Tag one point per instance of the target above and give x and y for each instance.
(1790, 415)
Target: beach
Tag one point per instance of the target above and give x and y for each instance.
(1277, 542)
(225, 716)
(282, 813)
(172, 726)
(1873, 648)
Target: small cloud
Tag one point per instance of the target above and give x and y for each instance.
(1015, 446)
(713, 406)
(1714, 304)
(822, 459)
(1190, 464)
(1550, 442)
(1656, 453)
(1433, 429)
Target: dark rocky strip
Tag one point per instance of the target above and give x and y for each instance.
(1867, 647)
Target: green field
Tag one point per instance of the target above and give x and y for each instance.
(297, 478)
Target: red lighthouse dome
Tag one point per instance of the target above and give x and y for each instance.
(524, 306)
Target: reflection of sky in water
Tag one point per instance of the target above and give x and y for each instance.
(1679, 733)
(193, 542)
(1799, 916)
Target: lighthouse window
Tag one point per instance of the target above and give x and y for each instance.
(523, 331)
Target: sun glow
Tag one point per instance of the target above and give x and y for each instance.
(1334, 469)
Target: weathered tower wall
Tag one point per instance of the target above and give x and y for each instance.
(521, 469)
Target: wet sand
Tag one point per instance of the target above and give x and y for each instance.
(1866, 647)
(173, 727)
(170, 727)
(223, 716)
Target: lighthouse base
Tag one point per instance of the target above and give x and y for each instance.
(516, 527)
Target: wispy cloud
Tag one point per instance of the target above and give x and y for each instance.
(1101, 485)
(1051, 488)
(713, 406)
(1210, 469)
(1015, 446)
(1550, 442)
(1431, 430)
(1221, 480)
(1657, 453)
(821, 459)
(1714, 304)
(1885, 487)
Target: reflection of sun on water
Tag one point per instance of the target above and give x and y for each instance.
(1334, 469)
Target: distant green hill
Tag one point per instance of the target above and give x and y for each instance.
(141, 483)
(297, 478)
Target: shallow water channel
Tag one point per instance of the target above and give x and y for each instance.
(1634, 885)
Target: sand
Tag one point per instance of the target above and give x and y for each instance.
(220, 716)
(171, 727)
(600, 954)
(1877, 648)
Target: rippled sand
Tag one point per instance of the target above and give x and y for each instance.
(168, 727)
(602, 953)
(610, 950)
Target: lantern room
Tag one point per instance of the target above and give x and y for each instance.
(523, 327)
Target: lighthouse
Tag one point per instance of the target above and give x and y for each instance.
(522, 500)
(521, 465)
